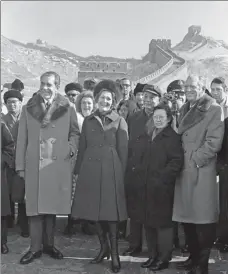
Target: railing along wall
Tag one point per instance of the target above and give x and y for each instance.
(158, 72)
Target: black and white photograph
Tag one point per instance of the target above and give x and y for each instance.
(114, 137)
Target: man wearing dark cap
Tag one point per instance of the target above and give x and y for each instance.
(176, 98)
(138, 93)
(13, 100)
(136, 126)
(72, 90)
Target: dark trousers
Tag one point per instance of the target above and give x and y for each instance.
(42, 228)
(222, 232)
(159, 242)
(135, 237)
(4, 230)
(22, 218)
(200, 240)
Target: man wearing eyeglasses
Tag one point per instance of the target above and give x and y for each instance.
(72, 91)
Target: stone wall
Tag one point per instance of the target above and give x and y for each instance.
(82, 75)
(103, 67)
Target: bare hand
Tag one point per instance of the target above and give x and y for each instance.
(21, 173)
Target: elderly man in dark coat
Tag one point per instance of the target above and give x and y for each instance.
(7, 160)
(137, 126)
(13, 100)
(48, 137)
(196, 202)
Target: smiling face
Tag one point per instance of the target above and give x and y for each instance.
(139, 98)
(86, 106)
(218, 92)
(13, 105)
(193, 89)
(150, 100)
(48, 87)
(105, 101)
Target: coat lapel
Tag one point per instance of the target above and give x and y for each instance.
(112, 116)
(189, 118)
(36, 108)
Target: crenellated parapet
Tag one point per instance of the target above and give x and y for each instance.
(162, 43)
(103, 67)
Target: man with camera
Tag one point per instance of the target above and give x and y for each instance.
(175, 98)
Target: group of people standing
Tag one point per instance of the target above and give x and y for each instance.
(144, 156)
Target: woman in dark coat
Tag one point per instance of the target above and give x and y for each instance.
(100, 165)
(223, 190)
(159, 165)
(7, 159)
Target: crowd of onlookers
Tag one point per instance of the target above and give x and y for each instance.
(104, 154)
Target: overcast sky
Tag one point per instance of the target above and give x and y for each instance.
(110, 28)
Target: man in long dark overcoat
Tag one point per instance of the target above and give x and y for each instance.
(48, 138)
(136, 127)
(13, 100)
(7, 160)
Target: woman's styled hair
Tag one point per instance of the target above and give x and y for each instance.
(84, 94)
(110, 86)
(167, 109)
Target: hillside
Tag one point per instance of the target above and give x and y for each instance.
(28, 61)
(160, 65)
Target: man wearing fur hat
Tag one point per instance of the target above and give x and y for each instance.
(138, 93)
(13, 99)
(48, 138)
(196, 203)
(136, 126)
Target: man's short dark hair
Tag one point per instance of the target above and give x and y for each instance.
(50, 73)
(219, 81)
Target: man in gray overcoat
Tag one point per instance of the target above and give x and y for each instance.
(48, 138)
(196, 202)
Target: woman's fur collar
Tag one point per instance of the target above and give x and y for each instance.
(36, 107)
(190, 117)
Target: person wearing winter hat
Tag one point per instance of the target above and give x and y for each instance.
(90, 83)
(13, 100)
(72, 90)
(103, 150)
(137, 125)
(138, 93)
(17, 85)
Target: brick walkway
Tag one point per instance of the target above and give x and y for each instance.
(78, 250)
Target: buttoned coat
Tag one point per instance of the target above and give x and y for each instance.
(100, 166)
(197, 191)
(12, 123)
(158, 166)
(136, 128)
(46, 140)
(7, 160)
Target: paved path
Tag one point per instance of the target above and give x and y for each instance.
(78, 250)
